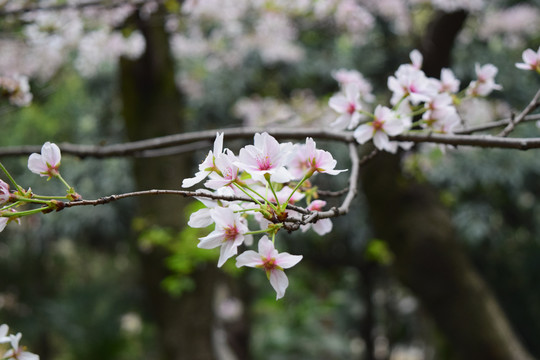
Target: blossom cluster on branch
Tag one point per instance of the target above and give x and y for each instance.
(268, 180)
(272, 176)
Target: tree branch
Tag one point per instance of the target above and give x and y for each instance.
(535, 102)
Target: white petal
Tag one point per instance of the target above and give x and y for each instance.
(36, 164)
(218, 144)
(286, 260)
(199, 176)
(200, 219)
(363, 133)
(51, 153)
(279, 282)
(323, 226)
(249, 258)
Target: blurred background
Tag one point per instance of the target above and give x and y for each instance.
(438, 258)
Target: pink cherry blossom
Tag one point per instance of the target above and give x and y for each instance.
(412, 83)
(346, 77)
(485, 82)
(273, 263)
(308, 159)
(266, 158)
(531, 60)
(46, 163)
(226, 172)
(322, 226)
(347, 105)
(229, 233)
(448, 83)
(4, 192)
(207, 166)
(386, 122)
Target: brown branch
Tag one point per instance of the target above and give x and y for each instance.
(137, 148)
(65, 6)
(535, 102)
(494, 125)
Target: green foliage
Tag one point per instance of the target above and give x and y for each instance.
(377, 251)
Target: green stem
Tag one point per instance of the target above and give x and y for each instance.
(25, 199)
(245, 192)
(49, 197)
(24, 213)
(262, 197)
(307, 176)
(64, 182)
(273, 191)
(256, 232)
(20, 189)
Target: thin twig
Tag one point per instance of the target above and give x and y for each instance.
(494, 125)
(535, 102)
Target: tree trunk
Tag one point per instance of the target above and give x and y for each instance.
(152, 107)
(419, 231)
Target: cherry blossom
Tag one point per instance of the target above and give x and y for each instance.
(410, 82)
(17, 352)
(208, 165)
(448, 83)
(346, 77)
(347, 105)
(229, 233)
(266, 158)
(322, 226)
(273, 263)
(16, 88)
(386, 122)
(226, 174)
(46, 163)
(4, 192)
(531, 60)
(307, 159)
(485, 82)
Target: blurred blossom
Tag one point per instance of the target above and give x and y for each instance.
(131, 323)
(401, 352)
(16, 88)
(92, 55)
(513, 23)
(455, 5)
(353, 17)
(274, 38)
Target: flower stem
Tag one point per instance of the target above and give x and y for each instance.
(19, 188)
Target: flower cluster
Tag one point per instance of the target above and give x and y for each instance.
(261, 181)
(45, 164)
(16, 88)
(16, 352)
(414, 94)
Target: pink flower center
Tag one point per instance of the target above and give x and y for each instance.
(231, 233)
(269, 264)
(264, 163)
(351, 108)
(377, 124)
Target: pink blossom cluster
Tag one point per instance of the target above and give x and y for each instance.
(16, 88)
(262, 180)
(413, 95)
(45, 164)
(16, 352)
